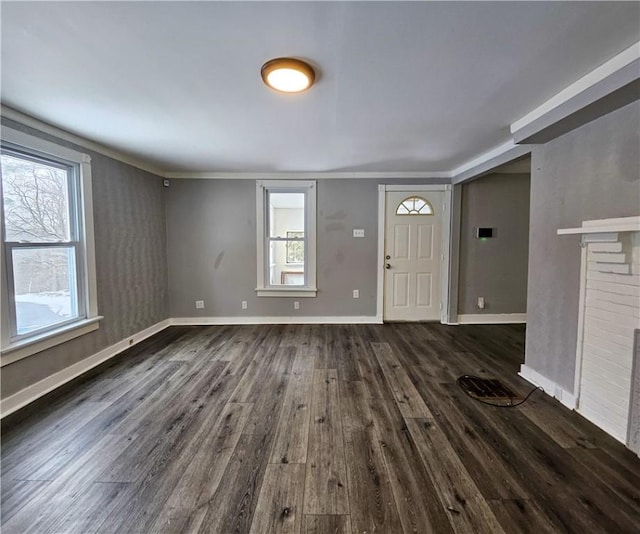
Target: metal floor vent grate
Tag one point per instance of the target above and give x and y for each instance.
(487, 388)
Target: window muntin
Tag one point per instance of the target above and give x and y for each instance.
(42, 239)
(286, 238)
(414, 206)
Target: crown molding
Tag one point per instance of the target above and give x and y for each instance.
(444, 176)
(611, 75)
(45, 127)
(482, 158)
(484, 163)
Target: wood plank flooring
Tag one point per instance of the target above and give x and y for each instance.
(352, 429)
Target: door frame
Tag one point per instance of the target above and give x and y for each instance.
(445, 278)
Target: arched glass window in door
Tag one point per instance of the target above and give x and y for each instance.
(414, 206)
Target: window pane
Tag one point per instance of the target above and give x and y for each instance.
(295, 249)
(45, 287)
(414, 206)
(281, 272)
(36, 201)
(286, 213)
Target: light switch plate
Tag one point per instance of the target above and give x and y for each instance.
(358, 232)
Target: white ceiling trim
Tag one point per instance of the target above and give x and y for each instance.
(488, 161)
(445, 176)
(484, 157)
(483, 163)
(599, 74)
(64, 135)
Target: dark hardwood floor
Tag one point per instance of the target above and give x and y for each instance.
(312, 429)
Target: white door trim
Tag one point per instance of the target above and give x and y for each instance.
(382, 206)
(445, 248)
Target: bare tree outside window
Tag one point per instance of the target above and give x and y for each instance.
(36, 201)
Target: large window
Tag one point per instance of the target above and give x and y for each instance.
(286, 215)
(45, 224)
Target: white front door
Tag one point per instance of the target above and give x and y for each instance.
(413, 241)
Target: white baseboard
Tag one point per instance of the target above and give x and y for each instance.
(492, 318)
(31, 393)
(549, 386)
(196, 321)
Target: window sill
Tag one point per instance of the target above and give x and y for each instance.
(26, 347)
(300, 292)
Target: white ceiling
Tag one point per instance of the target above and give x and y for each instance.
(403, 86)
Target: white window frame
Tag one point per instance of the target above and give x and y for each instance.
(18, 347)
(263, 188)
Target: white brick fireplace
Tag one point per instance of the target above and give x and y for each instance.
(607, 379)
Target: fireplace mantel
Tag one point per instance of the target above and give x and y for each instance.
(602, 226)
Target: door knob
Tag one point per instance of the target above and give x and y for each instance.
(387, 266)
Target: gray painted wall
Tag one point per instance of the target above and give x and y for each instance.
(590, 173)
(130, 235)
(212, 250)
(495, 269)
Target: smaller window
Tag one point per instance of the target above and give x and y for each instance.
(286, 225)
(414, 206)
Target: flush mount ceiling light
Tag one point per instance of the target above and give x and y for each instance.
(288, 75)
